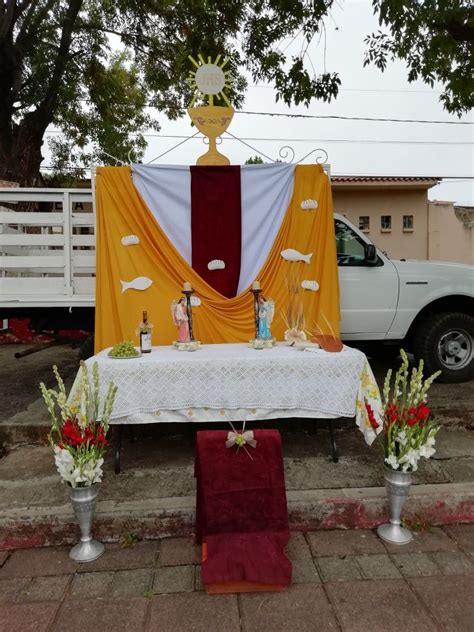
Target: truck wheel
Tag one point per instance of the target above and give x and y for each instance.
(446, 343)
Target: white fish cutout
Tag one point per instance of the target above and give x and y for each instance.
(294, 255)
(139, 283)
(310, 285)
(195, 301)
(130, 240)
(308, 205)
(216, 264)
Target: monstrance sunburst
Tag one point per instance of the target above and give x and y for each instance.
(209, 80)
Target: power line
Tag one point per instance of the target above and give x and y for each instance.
(352, 118)
(309, 140)
(334, 117)
(377, 90)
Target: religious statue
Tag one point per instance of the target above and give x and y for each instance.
(180, 319)
(266, 311)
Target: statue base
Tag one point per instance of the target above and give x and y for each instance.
(259, 343)
(192, 345)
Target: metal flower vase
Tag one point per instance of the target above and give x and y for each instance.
(83, 502)
(397, 485)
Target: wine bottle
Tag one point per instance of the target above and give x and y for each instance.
(145, 335)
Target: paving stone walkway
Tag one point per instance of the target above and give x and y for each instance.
(342, 580)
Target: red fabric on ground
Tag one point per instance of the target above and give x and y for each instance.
(246, 557)
(216, 225)
(241, 510)
(19, 332)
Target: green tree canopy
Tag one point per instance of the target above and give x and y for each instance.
(254, 160)
(435, 39)
(98, 70)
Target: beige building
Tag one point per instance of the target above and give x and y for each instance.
(397, 216)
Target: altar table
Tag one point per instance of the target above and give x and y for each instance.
(232, 382)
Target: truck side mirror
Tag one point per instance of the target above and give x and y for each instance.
(371, 254)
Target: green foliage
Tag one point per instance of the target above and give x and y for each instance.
(128, 538)
(417, 523)
(254, 160)
(94, 69)
(435, 39)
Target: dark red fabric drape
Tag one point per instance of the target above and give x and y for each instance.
(216, 225)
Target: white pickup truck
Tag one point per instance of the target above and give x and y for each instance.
(47, 273)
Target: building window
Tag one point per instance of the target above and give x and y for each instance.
(408, 223)
(364, 223)
(386, 222)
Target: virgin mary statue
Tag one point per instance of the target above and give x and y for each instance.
(266, 311)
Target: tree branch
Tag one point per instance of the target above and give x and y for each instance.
(459, 32)
(46, 108)
(124, 36)
(27, 36)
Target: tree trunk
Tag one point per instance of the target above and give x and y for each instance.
(20, 155)
(21, 142)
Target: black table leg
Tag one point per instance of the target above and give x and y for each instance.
(118, 447)
(332, 436)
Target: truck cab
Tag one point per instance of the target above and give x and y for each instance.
(425, 306)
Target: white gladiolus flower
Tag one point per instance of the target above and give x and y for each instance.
(430, 441)
(89, 473)
(64, 464)
(392, 461)
(426, 450)
(410, 459)
(401, 438)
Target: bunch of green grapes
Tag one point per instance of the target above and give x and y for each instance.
(124, 349)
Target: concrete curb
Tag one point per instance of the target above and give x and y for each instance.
(350, 508)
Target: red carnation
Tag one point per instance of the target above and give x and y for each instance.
(412, 421)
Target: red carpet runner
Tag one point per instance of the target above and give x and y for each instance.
(241, 513)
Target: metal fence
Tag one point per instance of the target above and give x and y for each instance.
(47, 247)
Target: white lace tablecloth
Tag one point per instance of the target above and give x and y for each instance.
(231, 381)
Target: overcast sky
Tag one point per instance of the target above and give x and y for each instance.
(353, 147)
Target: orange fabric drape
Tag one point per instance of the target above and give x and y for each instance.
(121, 211)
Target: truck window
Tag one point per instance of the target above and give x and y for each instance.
(350, 247)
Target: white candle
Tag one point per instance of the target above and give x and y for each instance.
(187, 286)
(256, 285)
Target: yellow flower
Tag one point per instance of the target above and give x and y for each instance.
(239, 440)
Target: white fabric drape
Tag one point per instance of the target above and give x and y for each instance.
(166, 190)
(266, 193)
